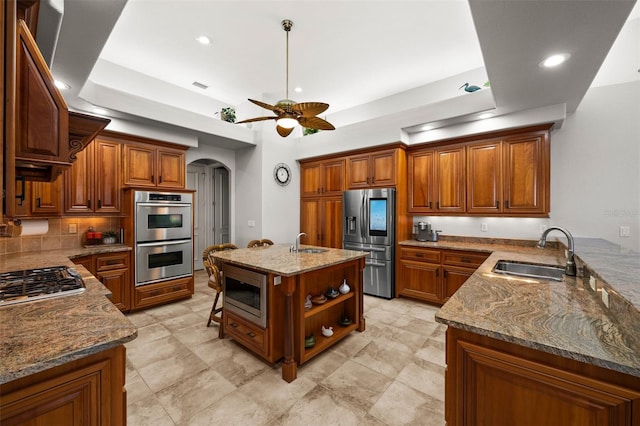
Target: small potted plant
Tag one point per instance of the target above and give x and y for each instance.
(109, 237)
(308, 131)
(228, 114)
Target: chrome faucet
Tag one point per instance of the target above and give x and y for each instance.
(570, 267)
(296, 247)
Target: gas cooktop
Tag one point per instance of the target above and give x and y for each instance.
(42, 283)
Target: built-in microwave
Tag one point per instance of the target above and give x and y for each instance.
(245, 294)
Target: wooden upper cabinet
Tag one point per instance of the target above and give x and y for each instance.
(310, 221)
(484, 178)
(526, 170)
(92, 185)
(372, 170)
(421, 182)
(331, 235)
(322, 178)
(450, 179)
(41, 199)
(153, 166)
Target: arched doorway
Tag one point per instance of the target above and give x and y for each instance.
(211, 221)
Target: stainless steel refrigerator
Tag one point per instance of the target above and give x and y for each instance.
(369, 225)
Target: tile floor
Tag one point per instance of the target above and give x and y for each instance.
(180, 373)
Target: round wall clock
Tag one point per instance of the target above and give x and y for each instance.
(282, 174)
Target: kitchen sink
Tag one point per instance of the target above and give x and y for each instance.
(529, 270)
(312, 250)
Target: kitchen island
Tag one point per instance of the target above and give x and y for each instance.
(511, 340)
(290, 278)
(65, 351)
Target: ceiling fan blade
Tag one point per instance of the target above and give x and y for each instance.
(283, 131)
(264, 105)
(249, 120)
(315, 123)
(309, 109)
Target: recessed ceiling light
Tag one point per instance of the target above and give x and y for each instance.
(298, 89)
(427, 127)
(61, 85)
(99, 111)
(485, 115)
(554, 60)
(203, 39)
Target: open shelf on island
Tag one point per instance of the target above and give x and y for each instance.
(322, 342)
(315, 309)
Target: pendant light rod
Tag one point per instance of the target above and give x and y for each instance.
(286, 25)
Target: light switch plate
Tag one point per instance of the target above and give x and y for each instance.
(593, 283)
(484, 227)
(73, 228)
(625, 231)
(605, 297)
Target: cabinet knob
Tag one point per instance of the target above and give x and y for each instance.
(99, 204)
(38, 201)
(430, 205)
(373, 179)
(506, 204)
(234, 325)
(160, 179)
(367, 180)
(152, 179)
(251, 334)
(498, 205)
(88, 204)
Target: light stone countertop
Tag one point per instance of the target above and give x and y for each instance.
(563, 318)
(278, 260)
(41, 334)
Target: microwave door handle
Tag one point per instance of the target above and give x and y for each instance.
(163, 243)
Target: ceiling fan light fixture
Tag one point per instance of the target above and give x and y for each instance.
(287, 121)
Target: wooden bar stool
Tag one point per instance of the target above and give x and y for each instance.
(259, 243)
(215, 282)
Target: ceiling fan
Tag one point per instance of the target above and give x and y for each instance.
(288, 112)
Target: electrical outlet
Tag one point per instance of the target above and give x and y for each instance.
(73, 228)
(277, 280)
(625, 231)
(605, 297)
(593, 283)
(484, 227)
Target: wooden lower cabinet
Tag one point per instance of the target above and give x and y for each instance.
(86, 392)
(434, 275)
(148, 295)
(492, 382)
(112, 270)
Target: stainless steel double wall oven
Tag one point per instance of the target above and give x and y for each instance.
(163, 234)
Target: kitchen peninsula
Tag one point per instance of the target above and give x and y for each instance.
(63, 358)
(290, 278)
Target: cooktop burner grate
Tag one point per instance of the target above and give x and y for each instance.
(34, 284)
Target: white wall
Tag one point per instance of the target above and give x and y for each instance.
(248, 194)
(595, 167)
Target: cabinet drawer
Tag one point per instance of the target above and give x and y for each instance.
(463, 258)
(148, 295)
(106, 262)
(246, 333)
(420, 254)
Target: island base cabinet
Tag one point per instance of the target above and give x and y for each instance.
(491, 382)
(86, 392)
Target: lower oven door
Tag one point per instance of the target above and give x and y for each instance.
(163, 260)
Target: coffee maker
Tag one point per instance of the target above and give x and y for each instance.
(425, 233)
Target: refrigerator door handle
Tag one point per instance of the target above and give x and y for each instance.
(362, 218)
(369, 262)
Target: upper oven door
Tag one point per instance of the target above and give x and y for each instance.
(162, 222)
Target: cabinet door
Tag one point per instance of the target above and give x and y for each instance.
(419, 280)
(78, 183)
(310, 179)
(46, 198)
(42, 114)
(331, 225)
(310, 221)
(118, 282)
(139, 165)
(87, 262)
(526, 169)
(358, 172)
(496, 388)
(450, 180)
(170, 168)
(107, 169)
(333, 177)
(383, 169)
(421, 182)
(484, 178)
(452, 280)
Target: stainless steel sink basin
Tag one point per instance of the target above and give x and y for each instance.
(311, 250)
(529, 270)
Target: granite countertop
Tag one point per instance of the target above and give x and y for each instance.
(278, 260)
(46, 333)
(563, 318)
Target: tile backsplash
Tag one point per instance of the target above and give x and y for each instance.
(58, 235)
